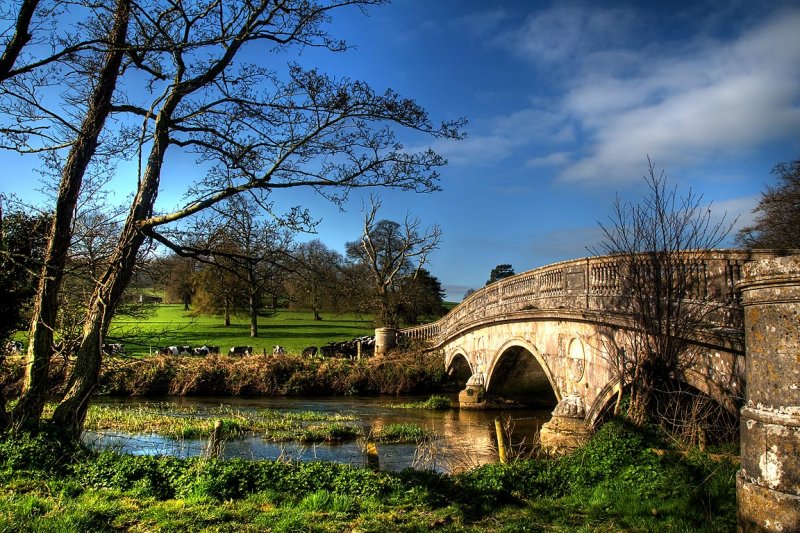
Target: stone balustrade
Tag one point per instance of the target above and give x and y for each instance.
(597, 284)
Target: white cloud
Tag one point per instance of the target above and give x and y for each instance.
(682, 102)
(736, 211)
(567, 32)
(719, 98)
(556, 159)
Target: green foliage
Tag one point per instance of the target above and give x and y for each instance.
(615, 445)
(329, 433)
(23, 240)
(500, 272)
(40, 453)
(435, 402)
(146, 476)
(397, 433)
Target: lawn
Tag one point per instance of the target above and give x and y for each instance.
(293, 330)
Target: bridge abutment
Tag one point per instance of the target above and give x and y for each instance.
(768, 483)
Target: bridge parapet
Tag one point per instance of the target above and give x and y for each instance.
(593, 283)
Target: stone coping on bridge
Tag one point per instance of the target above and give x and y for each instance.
(593, 284)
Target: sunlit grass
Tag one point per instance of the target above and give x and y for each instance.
(401, 433)
(433, 403)
(187, 422)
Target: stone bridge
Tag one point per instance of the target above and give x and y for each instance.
(547, 337)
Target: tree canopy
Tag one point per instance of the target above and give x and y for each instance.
(777, 221)
(499, 272)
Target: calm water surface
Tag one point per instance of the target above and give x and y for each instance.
(464, 439)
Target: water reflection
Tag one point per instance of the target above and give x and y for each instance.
(463, 439)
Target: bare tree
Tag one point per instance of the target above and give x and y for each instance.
(250, 129)
(393, 253)
(246, 246)
(33, 38)
(317, 279)
(661, 241)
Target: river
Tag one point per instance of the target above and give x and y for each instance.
(463, 439)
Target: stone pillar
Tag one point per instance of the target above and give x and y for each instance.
(566, 430)
(385, 340)
(768, 484)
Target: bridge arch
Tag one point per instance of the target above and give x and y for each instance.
(458, 368)
(519, 372)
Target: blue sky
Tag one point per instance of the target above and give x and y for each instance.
(565, 101)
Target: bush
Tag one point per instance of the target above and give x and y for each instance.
(40, 453)
(147, 476)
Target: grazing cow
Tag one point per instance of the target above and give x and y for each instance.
(311, 351)
(328, 351)
(278, 350)
(240, 350)
(172, 350)
(14, 347)
(202, 350)
(113, 348)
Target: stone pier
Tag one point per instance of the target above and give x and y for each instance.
(385, 340)
(566, 430)
(768, 484)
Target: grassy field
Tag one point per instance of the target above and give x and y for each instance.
(294, 330)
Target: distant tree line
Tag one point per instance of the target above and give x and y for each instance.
(234, 263)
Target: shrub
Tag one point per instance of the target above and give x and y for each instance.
(35, 453)
(397, 433)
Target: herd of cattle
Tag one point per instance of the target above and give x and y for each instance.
(349, 349)
(361, 346)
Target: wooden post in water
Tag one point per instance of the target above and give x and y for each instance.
(373, 461)
(501, 440)
(214, 448)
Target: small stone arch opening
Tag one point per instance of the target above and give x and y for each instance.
(693, 416)
(458, 372)
(518, 376)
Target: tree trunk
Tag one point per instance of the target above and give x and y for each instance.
(71, 412)
(43, 320)
(253, 302)
(641, 395)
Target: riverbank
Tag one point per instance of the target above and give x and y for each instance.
(614, 483)
(252, 375)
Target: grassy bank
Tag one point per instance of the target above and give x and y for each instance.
(254, 375)
(615, 483)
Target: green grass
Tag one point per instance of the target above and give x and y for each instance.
(187, 423)
(402, 433)
(434, 403)
(294, 330)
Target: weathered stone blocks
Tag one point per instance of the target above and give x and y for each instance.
(566, 430)
(768, 484)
